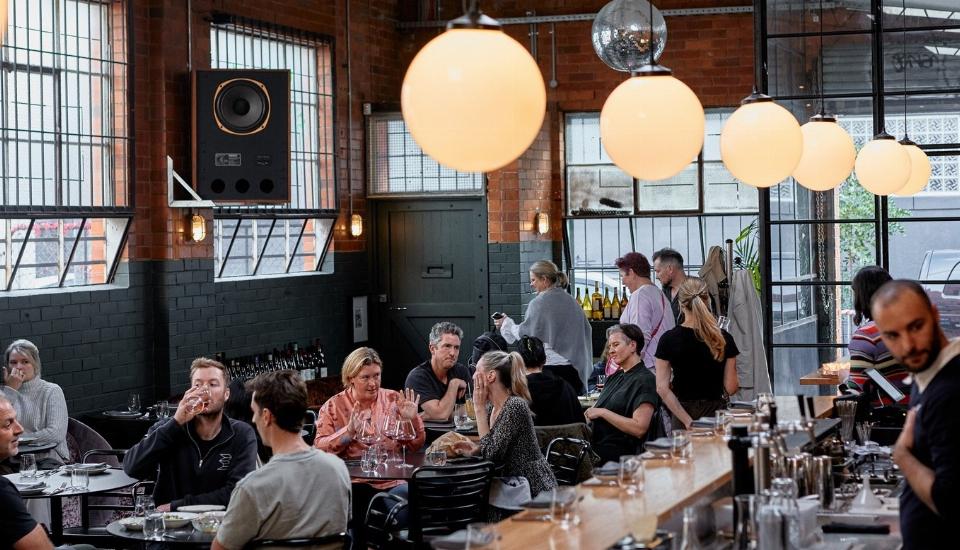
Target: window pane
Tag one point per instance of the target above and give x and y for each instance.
(794, 65)
(919, 13)
(925, 251)
(822, 251)
(791, 16)
(599, 189)
(681, 192)
(932, 59)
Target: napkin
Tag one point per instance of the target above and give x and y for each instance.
(748, 405)
(662, 443)
(705, 422)
(89, 466)
(28, 485)
(458, 540)
(609, 469)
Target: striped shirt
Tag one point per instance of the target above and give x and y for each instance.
(867, 351)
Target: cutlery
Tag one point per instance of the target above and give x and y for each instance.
(58, 490)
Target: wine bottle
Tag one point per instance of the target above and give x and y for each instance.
(623, 300)
(607, 306)
(615, 304)
(579, 300)
(596, 301)
(587, 307)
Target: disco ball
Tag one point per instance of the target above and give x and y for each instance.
(621, 34)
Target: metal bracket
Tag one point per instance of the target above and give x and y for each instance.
(173, 176)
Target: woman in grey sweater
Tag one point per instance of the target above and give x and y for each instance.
(40, 405)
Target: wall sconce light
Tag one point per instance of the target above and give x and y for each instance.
(541, 223)
(356, 225)
(198, 228)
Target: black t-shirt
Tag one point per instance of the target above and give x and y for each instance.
(623, 394)
(554, 401)
(696, 374)
(423, 381)
(936, 444)
(15, 521)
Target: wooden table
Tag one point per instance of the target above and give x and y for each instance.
(607, 514)
(817, 378)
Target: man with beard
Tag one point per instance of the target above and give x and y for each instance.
(441, 381)
(928, 449)
(199, 454)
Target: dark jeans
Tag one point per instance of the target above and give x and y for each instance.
(570, 374)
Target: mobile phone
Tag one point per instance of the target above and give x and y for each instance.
(497, 315)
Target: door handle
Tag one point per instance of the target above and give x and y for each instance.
(398, 308)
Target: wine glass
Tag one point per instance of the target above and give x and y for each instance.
(368, 434)
(601, 381)
(405, 432)
(390, 426)
(133, 402)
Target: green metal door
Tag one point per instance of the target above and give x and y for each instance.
(431, 266)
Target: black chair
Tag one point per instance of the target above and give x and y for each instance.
(442, 499)
(309, 430)
(566, 456)
(306, 542)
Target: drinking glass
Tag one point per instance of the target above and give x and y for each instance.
(79, 479)
(720, 424)
(389, 430)
(681, 446)
(133, 402)
(630, 467)
(601, 380)
(368, 434)
(153, 525)
(370, 459)
(563, 507)
(460, 417)
(28, 466)
(405, 432)
(163, 409)
(142, 504)
(199, 403)
(863, 430)
(437, 458)
(847, 411)
(480, 535)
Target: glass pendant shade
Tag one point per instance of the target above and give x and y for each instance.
(883, 165)
(919, 170)
(473, 99)
(621, 34)
(828, 155)
(761, 143)
(652, 126)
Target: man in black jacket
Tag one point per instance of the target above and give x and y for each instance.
(199, 454)
(928, 449)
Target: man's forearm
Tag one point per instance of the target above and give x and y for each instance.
(918, 476)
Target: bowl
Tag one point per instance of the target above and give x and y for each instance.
(208, 522)
(132, 524)
(176, 520)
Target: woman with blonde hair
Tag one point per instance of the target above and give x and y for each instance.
(555, 317)
(40, 405)
(696, 361)
(506, 430)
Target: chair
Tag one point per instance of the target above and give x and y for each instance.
(442, 499)
(309, 430)
(566, 457)
(578, 430)
(343, 538)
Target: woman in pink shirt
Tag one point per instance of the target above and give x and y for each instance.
(342, 415)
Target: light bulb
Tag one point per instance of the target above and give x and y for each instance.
(828, 154)
(883, 165)
(356, 225)
(652, 126)
(761, 142)
(198, 228)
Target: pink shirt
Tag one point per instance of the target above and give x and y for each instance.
(649, 309)
(335, 416)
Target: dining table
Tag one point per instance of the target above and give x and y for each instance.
(390, 471)
(58, 487)
(183, 536)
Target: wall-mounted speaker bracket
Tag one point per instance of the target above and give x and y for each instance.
(172, 178)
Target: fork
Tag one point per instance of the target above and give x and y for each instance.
(58, 490)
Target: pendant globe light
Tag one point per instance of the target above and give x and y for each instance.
(919, 162)
(473, 98)
(828, 150)
(883, 165)
(761, 142)
(652, 125)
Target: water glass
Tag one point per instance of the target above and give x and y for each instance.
(370, 459)
(681, 446)
(153, 525)
(601, 381)
(28, 466)
(436, 458)
(720, 424)
(631, 468)
(141, 504)
(133, 402)
(460, 417)
(847, 411)
(563, 507)
(480, 535)
(79, 479)
(163, 409)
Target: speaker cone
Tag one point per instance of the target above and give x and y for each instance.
(241, 106)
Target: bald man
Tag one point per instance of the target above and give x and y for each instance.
(18, 530)
(928, 449)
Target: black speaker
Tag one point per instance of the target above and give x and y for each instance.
(241, 135)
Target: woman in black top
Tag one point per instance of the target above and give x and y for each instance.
(622, 415)
(553, 401)
(696, 361)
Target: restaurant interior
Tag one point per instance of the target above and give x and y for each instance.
(285, 186)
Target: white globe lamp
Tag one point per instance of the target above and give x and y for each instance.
(883, 165)
(828, 154)
(919, 169)
(761, 142)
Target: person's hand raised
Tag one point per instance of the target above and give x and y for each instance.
(408, 404)
(13, 378)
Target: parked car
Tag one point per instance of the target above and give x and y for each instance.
(943, 265)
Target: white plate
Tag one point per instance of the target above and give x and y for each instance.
(176, 520)
(132, 524)
(26, 439)
(200, 508)
(30, 489)
(94, 469)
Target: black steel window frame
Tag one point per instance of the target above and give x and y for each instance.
(84, 213)
(881, 220)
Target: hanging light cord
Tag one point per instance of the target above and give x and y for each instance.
(904, 22)
(650, 45)
(822, 101)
